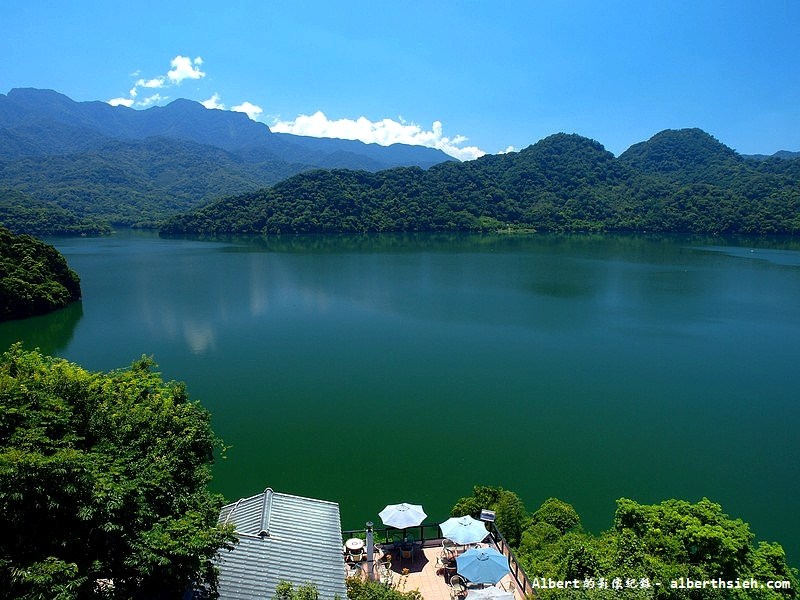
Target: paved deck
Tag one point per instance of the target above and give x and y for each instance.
(421, 574)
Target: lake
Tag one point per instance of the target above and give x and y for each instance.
(379, 369)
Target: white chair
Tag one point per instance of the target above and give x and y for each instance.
(385, 574)
(458, 587)
(448, 549)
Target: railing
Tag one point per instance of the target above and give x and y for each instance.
(423, 533)
(383, 535)
(525, 587)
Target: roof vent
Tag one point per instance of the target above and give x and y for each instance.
(266, 509)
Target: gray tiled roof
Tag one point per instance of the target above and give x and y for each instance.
(300, 542)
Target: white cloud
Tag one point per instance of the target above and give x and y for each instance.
(508, 150)
(185, 68)
(156, 82)
(121, 102)
(151, 100)
(182, 67)
(213, 102)
(246, 107)
(384, 132)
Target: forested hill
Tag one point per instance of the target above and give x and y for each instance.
(678, 181)
(22, 213)
(136, 167)
(34, 277)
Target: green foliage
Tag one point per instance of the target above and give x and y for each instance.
(22, 213)
(648, 543)
(138, 182)
(557, 513)
(286, 591)
(510, 515)
(679, 181)
(136, 168)
(34, 277)
(656, 543)
(363, 589)
(103, 482)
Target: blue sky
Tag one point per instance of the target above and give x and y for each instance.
(468, 77)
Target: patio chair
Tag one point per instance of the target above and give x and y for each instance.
(458, 587)
(385, 574)
(448, 548)
(397, 540)
(355, 570)
(406, 553)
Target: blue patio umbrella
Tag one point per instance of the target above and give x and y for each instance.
(482, 565)
(464, 530)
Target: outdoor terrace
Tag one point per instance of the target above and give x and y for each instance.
(424, 572)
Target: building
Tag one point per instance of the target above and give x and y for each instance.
(282, 538)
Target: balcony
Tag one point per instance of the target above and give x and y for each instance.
(424, 571)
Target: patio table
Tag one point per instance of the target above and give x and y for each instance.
(354, 544)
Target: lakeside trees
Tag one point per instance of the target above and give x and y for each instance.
(22, 213)
(679, 181)
(103, 482)
(34, 277)
(657, 543)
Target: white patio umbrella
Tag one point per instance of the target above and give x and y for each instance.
(489, 593)
(402, 515)
(464, 530)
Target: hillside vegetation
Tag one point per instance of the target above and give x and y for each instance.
(22, 213)
(678, 181)
(103, 482)
(647, 549)
(136, 167)
(34, 277)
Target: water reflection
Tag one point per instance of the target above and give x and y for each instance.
(51, 333)
(543, 283)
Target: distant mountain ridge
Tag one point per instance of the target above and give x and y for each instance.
(81, 165)
(188, 120)
(678, 181)
(783, 154)
(62, 151)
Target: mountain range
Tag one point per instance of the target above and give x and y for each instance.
(677, 181)
(76, 167)
(126, 166)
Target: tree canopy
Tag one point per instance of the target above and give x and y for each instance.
(34, 277)
(22, 213)
(679, 181)
(103, 482)
(111, 164)
(648, 543)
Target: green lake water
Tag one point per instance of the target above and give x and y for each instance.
(380, 369)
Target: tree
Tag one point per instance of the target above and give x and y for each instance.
(286, 591)
(653, 543)
(363, 589)
(557, 513)
(103, 482)
(34, 277)
(511, 518)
